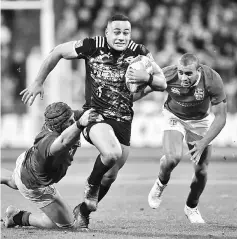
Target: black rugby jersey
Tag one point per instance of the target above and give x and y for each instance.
(39, 167)
(105, 88)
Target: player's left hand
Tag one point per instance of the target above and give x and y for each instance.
(137, 76)
(196, 151)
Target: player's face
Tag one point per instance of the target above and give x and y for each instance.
(188, 75)
(118, 34)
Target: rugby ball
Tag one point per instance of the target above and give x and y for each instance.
(138, 63)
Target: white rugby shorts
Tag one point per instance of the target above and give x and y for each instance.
(41, 196)
(192, 130)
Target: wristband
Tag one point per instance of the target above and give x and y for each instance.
(79, 126)
(149, 82)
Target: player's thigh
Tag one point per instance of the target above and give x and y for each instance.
(103, 137)
(59, 212)
(173, 143)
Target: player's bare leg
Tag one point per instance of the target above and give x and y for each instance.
(112, 174)
(6, 178)
(197, 186)
(55, 215)
(173, 149)
(104, 139)
(82, 211)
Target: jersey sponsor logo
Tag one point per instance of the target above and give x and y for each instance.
(175, 90)
(78, 43)
(199, 94)
(188, 104)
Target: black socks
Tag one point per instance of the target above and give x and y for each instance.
(103, 191)
(98, 172)
(22, 218)
(164, 182)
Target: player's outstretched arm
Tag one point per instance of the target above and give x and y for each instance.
(71, 135)
(66, 51)
(7, 179)
(220, 113)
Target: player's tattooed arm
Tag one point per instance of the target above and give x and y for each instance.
(141, 94)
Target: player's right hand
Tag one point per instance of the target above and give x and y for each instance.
(29, 94)
(90, 116)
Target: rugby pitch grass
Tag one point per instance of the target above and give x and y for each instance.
(124, 212)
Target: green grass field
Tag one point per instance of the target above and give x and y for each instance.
(124, 212)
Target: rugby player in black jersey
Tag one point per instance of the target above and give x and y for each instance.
(106, 61)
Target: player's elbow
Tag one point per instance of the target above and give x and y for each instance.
(163, 85)
(58, 51)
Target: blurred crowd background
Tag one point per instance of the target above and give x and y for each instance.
(168, 28)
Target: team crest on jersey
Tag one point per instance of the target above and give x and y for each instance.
(129, 59)
(173, 122)
(175, 90)
(199, 94)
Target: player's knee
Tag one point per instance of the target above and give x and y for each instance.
(110, 157)
(172, 160)
(109, 179)
(201, 172)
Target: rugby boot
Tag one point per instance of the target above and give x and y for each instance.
(82, 220)
(9, 214)
(91, 195)
(193, 215)
(155, 195)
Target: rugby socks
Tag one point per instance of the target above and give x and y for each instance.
(98, 172)
(197, 186)
(83, 209)
(103, 191)
(164, 182)
(22, 218)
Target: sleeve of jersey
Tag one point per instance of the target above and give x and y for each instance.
(85, 47)
(170, 72)
(45, 144)
(142, 50)
(216, 89)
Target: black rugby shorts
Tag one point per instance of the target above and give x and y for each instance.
(122, 130)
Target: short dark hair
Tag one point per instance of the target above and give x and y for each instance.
(118, 17)
(189, 59)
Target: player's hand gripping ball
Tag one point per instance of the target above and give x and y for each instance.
(138, 63)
